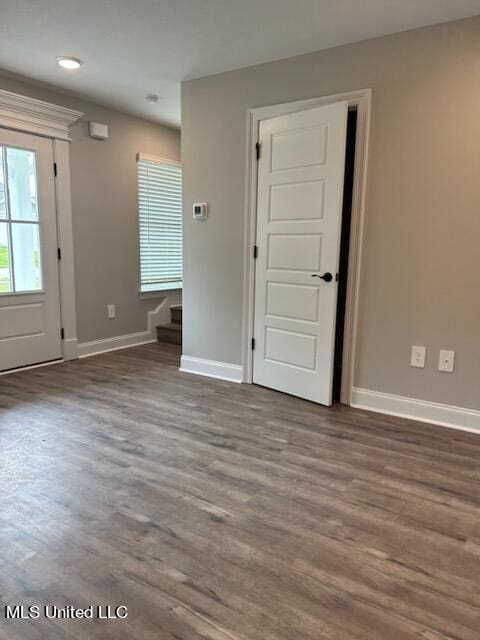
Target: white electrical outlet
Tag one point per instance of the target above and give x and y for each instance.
(111, 311)
(446, 361)
(418, 357)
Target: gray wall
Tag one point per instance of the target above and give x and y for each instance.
(421, 272)
(105, 213)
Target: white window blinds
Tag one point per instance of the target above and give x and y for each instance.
(160, 219)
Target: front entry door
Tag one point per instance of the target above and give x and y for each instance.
(29, 287)
(299, 211)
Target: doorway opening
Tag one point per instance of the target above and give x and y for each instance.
(344, 251)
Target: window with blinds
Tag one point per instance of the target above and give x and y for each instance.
(160, 220)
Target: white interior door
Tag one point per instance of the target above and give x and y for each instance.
(29, 288)
(299, 215)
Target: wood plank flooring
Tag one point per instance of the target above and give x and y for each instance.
(228, 512)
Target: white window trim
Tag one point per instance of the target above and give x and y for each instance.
(161, 291)
(40, 118)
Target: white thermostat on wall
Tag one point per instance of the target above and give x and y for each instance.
(200, 210)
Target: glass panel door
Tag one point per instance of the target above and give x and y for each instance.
(20, 252)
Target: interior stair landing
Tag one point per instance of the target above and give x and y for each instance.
(172, 332)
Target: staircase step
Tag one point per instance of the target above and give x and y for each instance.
(171, 333)
(176, 313)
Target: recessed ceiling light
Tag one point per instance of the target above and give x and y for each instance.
(152, 97)
(67, 62)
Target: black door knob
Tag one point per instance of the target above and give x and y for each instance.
(327, 277)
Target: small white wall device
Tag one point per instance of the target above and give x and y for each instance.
(98, 131)
(200, 210)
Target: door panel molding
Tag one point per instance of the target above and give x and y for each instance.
(360, 100)
(28, 115)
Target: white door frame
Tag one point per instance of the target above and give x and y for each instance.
(28, 115)
(361, 100)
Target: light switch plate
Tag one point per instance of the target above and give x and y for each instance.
(446, 361)
(418, 357)
(111, 312)
(200, 211)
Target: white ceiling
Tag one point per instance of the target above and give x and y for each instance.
(134, 47)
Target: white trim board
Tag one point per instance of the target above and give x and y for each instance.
(23, 113)
(95, 347)
(66, 268)
(361, 100)
(413, 409)
(212, 369)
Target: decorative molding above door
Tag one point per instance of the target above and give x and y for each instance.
(23, 113)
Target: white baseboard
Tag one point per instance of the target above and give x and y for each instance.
(155, 317)
(421, 410)
(212, 369)
(86, 349)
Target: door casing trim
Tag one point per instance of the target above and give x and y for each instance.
(36, 117)
(360, 100)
